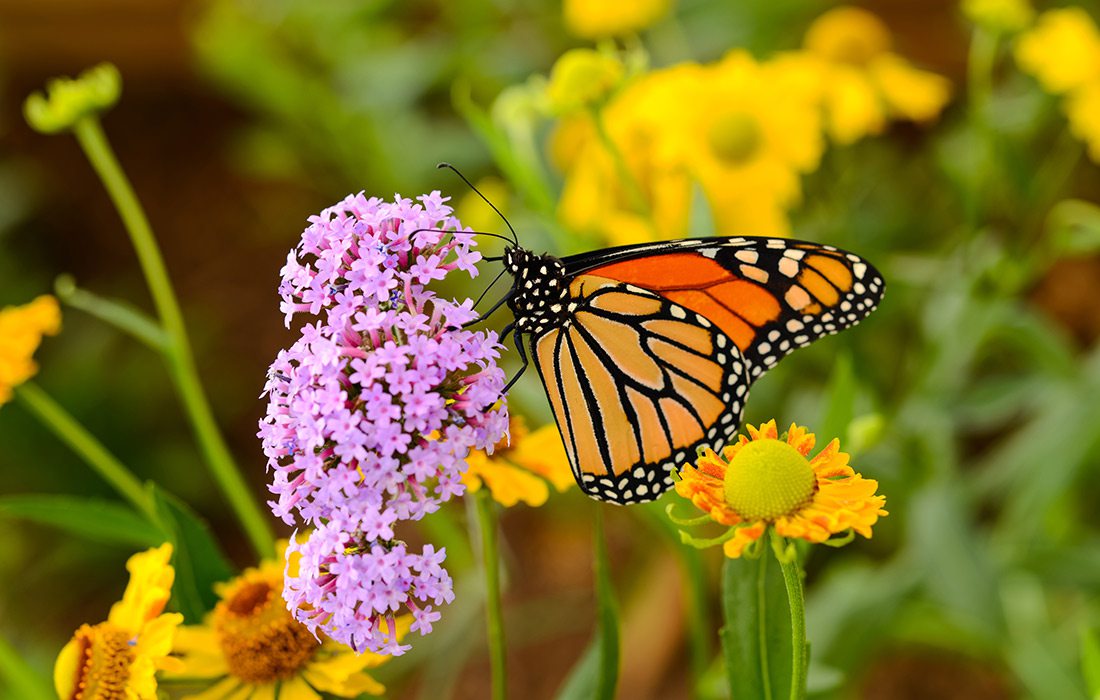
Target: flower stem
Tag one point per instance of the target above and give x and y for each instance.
(177, 351)
(91, 450)
(494, 609)
(792, 579)
(762, 626)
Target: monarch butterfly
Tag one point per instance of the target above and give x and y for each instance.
(647, 352)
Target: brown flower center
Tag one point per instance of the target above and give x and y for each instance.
(261, 642)
(105, 659)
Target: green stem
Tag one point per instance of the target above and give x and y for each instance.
(177, 351)
(762, 626)
(91, 450)
(494, 609)
(21, 679)
(608, 615)
(792, 579)
(626, 177)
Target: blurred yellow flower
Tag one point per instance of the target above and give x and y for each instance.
(1062, 50)
(861, 82)
(747, 139)
(1083, 110)
(21, 331)
(254, 648)
(597, 19)
(582, 78)
(999, 15)
(736, 130)
(769, 480)
(519, 471)
(119, 658)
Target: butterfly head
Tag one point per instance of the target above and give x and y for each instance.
(539, 294)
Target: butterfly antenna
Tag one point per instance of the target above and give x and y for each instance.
(495, 280)
(515, 238)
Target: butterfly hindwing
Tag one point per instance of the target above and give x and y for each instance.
(637, 384)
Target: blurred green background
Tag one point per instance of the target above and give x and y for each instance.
(972, 395)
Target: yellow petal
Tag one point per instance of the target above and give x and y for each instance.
(346, 687)
(910, 93)
(67, 668)
(148, 591)
(543, 453)
(1062, 51)
(220, 690)
(297, 689)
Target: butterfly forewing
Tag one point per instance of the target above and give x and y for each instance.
(637, 384)
(647, 352)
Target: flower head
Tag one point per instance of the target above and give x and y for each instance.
(519, 471)
(21, 331)
(119, 658)
(861, 83)
(68, 100)
(252, 646)
(582, 78)
(374, 409)
(1062, 50)
(597, 19)
(768, 480)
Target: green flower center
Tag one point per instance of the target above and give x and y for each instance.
(767, 479)
(735, 137)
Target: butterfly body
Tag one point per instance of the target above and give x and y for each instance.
(647, 352)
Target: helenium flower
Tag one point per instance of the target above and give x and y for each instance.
(373, 410)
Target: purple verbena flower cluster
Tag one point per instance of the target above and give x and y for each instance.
(373, 410)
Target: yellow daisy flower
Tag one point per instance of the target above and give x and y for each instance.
(597, 19)
(747, 139)
(1062, 51)
(21, 331)
(252, 647)
(862, 83)
(519, 471)
(119, 658)
(734, 129)
(768, 480)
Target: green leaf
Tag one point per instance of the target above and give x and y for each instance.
(1090, 662)
(701, 224)
(198, 558)
(93, 519)
(22, 680)
(756, 638)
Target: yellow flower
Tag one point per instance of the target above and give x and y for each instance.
(596, 19)
(736, 130)
(1083, 110)
(119, 658)
(518, 472)
(999, 15)
(21, 331)
(582, 78)
(252, 647)
(1062, 51)
(747, 138)
(768, 480)
(862, 83)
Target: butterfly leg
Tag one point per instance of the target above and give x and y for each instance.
(522, 356)
(481, 317)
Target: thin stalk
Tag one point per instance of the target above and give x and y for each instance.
(792, 579)
(494, 608)
(607, 680)
(91, 450)
(762, 626)
(177, 351)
